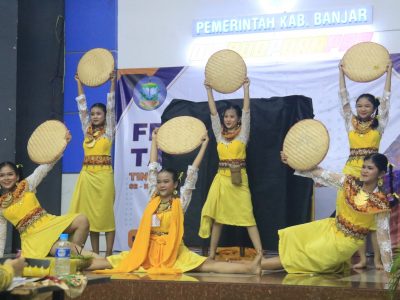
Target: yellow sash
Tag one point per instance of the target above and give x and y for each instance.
(141, 254)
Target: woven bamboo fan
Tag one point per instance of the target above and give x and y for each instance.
(180, 135)
(47, 142)
(225, 71)
(306, 144)
(95, 67)
(365, 61)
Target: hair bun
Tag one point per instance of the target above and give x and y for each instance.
(377, 101)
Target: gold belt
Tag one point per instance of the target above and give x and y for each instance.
(30, 218)
(360, 153)
(159, 233)
(349, 229)
(97, 160)
(227, 163)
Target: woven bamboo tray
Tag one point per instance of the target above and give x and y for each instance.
(365, 61)
(181, 135)
(95, 67)
(47, 143)
(306, 144)
(225, 71)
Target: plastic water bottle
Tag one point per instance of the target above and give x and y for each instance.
(63, 255)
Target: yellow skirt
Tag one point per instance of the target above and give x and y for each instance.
(353, 167)
(316, 247)
(185, 261)
(39, 238)
(94, 197)
(227, 204)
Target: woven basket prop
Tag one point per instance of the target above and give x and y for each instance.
(47, 142)
(181, 135)
(225, 71)
(365, 61)
(306, 144)
(95, 67)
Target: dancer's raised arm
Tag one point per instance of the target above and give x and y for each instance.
(385, 100)
(82, 105)
(211, 101)
(200, 155)
(191, 176)
(153, 164)
(110, 116)
(344, 97)
(246, 96)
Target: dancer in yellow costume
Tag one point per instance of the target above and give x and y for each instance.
(38, 229)
(365, 130)
(158, 247)
(94, 190)
(326, 246)
(229, 202)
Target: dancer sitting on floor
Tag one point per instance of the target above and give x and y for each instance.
(229, 199)
(326, 246)
(365, 130)
(38, 230)
(158, 247)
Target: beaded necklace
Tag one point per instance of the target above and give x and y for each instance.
(8, 198)
(230, 135)
(92, 135)
(361, 127)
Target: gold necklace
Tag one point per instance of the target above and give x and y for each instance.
(6, 200)
(163, 206)
(361, 127)
(15, 195)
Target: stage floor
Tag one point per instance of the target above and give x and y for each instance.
(364, 284)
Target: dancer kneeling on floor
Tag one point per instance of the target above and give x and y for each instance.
(158, 247)
(326, 246)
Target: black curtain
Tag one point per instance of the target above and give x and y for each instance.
(40, 96)
(279, 198)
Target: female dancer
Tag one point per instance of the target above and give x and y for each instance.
(229, 203)
(38, 229)
(326, 246)
(364, 133)
(94, 190)
(158, 247)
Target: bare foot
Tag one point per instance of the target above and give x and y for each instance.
(361, 265)
(378, 263)
(255, 266)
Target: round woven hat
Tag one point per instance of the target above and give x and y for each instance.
(95, 67)
(181, 135)
(225, 71)
(47, 142)
(306, 144)
(365, 61)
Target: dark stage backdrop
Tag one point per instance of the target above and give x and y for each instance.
(279, 198)
(8, 83)
(40, 69)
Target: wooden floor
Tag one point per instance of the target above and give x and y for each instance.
(363, 284)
